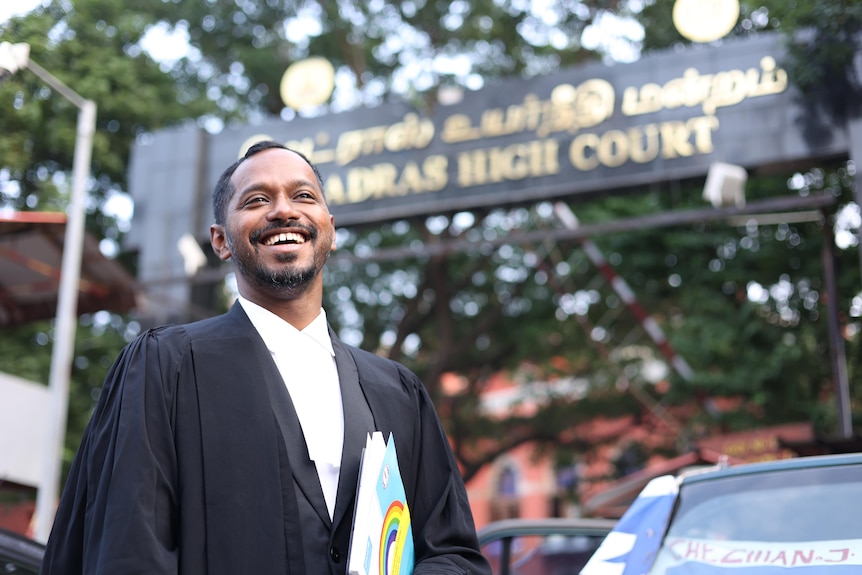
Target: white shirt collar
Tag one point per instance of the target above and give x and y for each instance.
(272, 328)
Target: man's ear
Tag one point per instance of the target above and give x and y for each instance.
(218, 240)
(332, 247)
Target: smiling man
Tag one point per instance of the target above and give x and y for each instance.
(272, 221)
(232, 445)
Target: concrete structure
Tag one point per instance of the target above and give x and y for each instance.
(24, 411)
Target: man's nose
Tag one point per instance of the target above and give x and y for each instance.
(283, 208)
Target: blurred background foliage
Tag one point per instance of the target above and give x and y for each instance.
(743, 303)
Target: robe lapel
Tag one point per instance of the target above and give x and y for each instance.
(304, 471)
(230, 361)
(358, 422)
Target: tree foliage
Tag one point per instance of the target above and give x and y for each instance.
(92, 47)
(383, 48)
(743, 303)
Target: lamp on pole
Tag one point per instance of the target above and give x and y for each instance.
(14, 57)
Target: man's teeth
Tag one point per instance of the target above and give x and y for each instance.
(289, 237)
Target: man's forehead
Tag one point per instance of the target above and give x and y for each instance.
(275, 159)
(275, 163)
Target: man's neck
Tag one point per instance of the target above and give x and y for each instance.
(298, 312)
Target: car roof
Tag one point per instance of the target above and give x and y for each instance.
(807, 462)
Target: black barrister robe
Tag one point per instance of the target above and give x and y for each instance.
(193, 463)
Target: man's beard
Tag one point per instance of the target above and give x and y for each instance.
(284, 279)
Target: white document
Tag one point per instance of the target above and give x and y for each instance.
(381, 541)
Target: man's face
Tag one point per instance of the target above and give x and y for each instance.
(277, 229)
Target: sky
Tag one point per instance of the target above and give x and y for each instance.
(159, 42)
(9, 8)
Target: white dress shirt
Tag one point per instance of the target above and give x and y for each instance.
(306, 362)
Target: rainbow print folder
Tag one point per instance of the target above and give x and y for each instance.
(381, 542)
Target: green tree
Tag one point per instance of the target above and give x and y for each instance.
(743, 303)
(93, 47)
(539, 310)
(386, 49)
(238, 53)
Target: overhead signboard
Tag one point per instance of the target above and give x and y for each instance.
(579, 132)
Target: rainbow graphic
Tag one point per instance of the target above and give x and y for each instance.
(393, 536)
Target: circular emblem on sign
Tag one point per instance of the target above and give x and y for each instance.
(307, 82)
(705, 20)
(249, 142)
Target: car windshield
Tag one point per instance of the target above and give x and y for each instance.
(802, 520)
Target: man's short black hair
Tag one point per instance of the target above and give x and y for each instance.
(224, 188)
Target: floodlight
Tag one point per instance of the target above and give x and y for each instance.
(725, 185)
(13, 57)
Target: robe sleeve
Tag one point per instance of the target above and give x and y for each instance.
(444, 534)
(118, 512)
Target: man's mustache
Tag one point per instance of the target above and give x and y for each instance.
(279, 224)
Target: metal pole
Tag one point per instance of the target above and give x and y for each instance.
(79, 101)
(837, 352)
(622, 289)
(67, 303)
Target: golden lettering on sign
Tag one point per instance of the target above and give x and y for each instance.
(568, 109)
(710, 91)
(642, 144)
(412, 133)
(387, 180)
(508, 163)
(309, 147)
